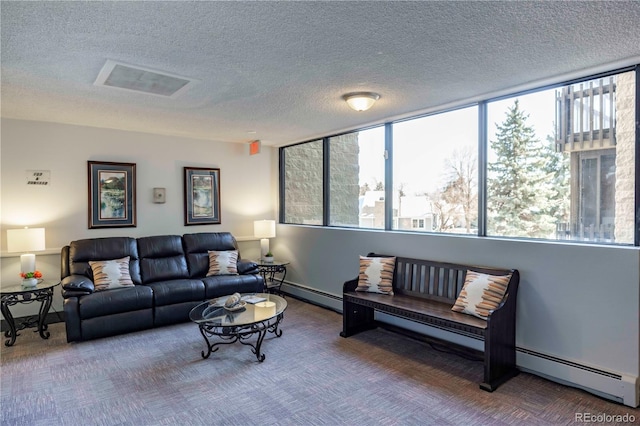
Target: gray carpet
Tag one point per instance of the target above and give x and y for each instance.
(310, 376)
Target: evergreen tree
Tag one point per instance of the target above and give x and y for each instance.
(520, 201)
(559, 169)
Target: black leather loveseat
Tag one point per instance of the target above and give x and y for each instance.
(169, 277)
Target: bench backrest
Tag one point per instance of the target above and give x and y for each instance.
(437, 280)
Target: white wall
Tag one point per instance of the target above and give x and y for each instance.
(580, 303)
(247, 187)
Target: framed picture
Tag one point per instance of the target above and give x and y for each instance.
(201, 196)
(112, 194)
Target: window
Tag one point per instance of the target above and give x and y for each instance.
(556, 164)
(435, 172)
(357, 179)
(302, 183)
(561, 181)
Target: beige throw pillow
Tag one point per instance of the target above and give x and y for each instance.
(376, 274)
(110, 274)
(223, 263)
(481, 293)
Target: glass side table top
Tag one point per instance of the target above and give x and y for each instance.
(275, 262)
(213, 312)
(16, 288)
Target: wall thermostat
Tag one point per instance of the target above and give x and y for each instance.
(159, 195)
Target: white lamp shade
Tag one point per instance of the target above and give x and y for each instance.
(25, 240)
(264, 228)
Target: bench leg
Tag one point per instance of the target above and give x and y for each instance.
(499, 357)
(356, 318)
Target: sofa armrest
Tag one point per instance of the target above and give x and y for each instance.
(75, 285)
(72, 319)
(247, 267)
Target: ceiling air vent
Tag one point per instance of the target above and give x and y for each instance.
(139, 79)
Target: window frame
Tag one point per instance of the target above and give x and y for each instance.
(483, 141)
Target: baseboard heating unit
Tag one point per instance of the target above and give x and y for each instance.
(618, 387)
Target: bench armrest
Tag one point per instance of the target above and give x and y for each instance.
(511, 293)
(350, 285)
(507, 308)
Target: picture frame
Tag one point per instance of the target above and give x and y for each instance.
(201, 196)
(112, 194)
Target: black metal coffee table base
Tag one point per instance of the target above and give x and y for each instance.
(242, 334)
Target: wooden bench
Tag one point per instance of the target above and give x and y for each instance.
(424, 292)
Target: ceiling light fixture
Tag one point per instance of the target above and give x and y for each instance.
(361, 101)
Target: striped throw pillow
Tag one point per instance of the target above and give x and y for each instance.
(481, 293)
(110, 274)
(223, 262)
(376, 274)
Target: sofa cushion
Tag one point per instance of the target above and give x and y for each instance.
(223, 285)
(197, 247)
(162, 258)
(174, 313)
(223, 262)
(177, 291)
(163, 269)
(124, 299)
(110, 325)
(111, 274)
(82, 251)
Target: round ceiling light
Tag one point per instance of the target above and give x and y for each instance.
(361, 101)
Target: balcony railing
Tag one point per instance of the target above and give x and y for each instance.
(585, 115)
(602, 233)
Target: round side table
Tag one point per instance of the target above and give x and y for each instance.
(270, 271)
(13, 294)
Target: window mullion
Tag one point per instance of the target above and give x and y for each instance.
(388, 176)
(281, 173)
(482, 168)
(326, 180)
(637, 159)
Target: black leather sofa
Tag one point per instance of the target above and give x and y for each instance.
(169, 273)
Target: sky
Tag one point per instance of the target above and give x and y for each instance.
(421, 146)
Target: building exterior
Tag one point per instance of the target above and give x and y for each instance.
(595, 123)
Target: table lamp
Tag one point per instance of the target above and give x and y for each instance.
(264, 229)
(26, 240)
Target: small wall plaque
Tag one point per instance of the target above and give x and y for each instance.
(38, 177)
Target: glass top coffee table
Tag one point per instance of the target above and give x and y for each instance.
(241, 324)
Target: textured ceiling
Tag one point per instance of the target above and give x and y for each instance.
(279, 69)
